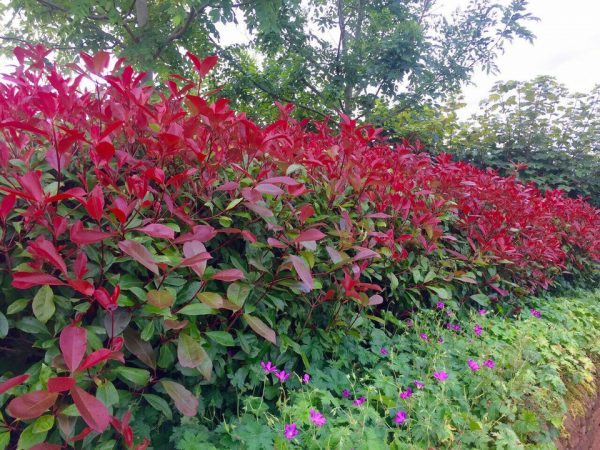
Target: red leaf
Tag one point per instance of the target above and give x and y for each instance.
(92, 410)
(288, 181)
(30, 182)
(31, 405)
(310, 235)
(60, 384)
(6, 206)
(81, 236)
(25, 280)
(7, 385)
(105, 150)
(364, 253)
(195, 257)
(303, 271)
(185, 401)
(46, 446)
(158, 231)
(229, 275)
(276, 243)
(95, 358)
(94, 204)
(73, 343)
(45, 250)
(267, 188)
(82, 286)
(141, 254)
(204, 66)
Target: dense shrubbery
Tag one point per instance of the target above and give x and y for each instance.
(156, 246)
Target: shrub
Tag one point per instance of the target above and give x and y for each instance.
(157, 246)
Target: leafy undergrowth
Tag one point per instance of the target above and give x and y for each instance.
(494, 382)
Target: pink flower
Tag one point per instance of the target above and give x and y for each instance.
(400, 417)
(406, 394)
(359, 401)
(482, 312)
(345, 393)
(441, 340)
(268, 367)
(419, 384)
(317, 418)
(291, 431)
(282, 375)
(424, 336)
(305, 378)
(441, 375)
(477, 329)
(473, 365)
(536, 313)
(440, 305)
(489, 363)
(383, 351)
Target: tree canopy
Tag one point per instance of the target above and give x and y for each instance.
(326, 56)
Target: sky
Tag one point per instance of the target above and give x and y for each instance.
(567, 47)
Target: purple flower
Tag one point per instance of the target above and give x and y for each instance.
(406, 394)
(282, 375)
(400, 417)
(489, 363)
(440, 305)
(424, 336)
(441, 340)
(268, 367)
(359, 401)
(409, 323)
(535, 313)
(345, 393)
(441, 375)
(291, 431)
(456, 327)
(305, 378)
(482, 312)
(317, 418)
(473, 365)
(383, 351)
(477, 329)
(419, 384)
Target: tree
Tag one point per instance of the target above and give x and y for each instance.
(326, 56)
(539, 123)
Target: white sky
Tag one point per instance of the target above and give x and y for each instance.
(567, 47)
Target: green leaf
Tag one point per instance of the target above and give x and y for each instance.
(134, 375)
(211, 299)
(160, 298)
(4, 440)
(221, 337)
(189, 351)
(261, 328)
(17, 306)
(441, 292)
(237, 293)
(3, 326)
(107, 393)
(29, 438)
(160, 404)
(482, 299)
(43, 424)
(197, 309)
(43, 304)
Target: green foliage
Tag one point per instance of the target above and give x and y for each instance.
(543, 367)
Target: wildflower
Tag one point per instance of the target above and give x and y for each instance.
(419, 384)
(440, 305)
(359, 401)
(535, 313)
(317, 418)
(477, 329)
(406, 394)
(441, 375)
(489, 363)
(473, 365)
(305, 378)
(268, 367)
(409, 323)
(424, 336)
(400, 417)
(482, 312)
(282, 375)
(441, 340)
(345, 393)
(383, 351)
(291, 431)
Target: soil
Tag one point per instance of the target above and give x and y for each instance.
(583, 432)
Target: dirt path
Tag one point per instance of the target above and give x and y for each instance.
(584, 431)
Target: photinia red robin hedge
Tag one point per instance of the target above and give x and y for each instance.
(156, 245)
